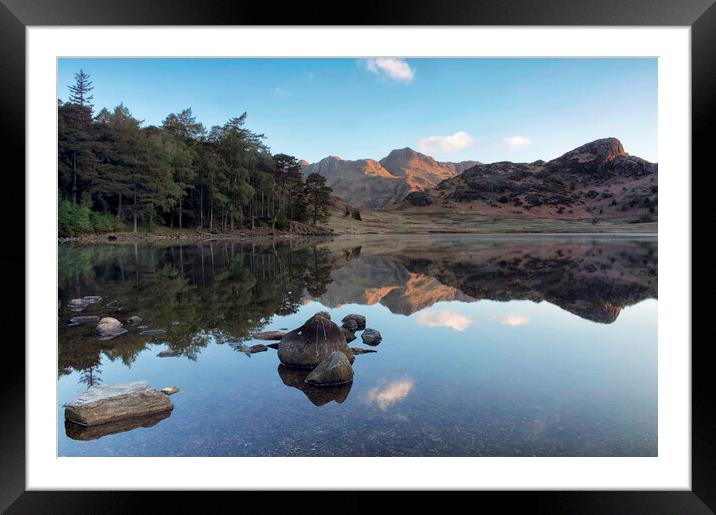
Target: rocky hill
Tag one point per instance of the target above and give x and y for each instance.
(598, 180)
(374, 184)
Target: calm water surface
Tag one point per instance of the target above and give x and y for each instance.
(512, 346)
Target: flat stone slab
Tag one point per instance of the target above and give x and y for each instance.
(268, 335)
(358, 350)
(152, 332)
(89, 319)
(111, 402)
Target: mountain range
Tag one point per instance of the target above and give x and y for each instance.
(596, 180)
(374, 184)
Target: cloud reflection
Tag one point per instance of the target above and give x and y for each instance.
(384, 396)
(513, 320)
(444, 318)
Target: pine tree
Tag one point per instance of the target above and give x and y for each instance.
(318, 196)
(80, 92)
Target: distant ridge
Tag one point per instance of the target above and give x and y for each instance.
(598, 179)
(374, 184)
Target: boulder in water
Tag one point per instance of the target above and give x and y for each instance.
(350, 325)
(324, 314)
(134, 320)
(77, 304)
(359, 320)
(371, 337)
(109, 326)
(260, 347)
(312, 343)
(349, 336)
(332, 371)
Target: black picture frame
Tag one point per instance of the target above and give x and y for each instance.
(700, 15)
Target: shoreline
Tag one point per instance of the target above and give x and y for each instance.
(253, 236)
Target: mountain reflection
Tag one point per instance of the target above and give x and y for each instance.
(223, 291)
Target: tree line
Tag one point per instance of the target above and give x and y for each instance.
(114, 172)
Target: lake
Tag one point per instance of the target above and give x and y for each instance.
(492, 346)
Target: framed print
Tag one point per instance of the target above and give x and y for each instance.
(423, 250)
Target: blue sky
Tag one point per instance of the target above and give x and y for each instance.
(452, 109)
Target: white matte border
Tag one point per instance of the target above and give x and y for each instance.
(670, 470)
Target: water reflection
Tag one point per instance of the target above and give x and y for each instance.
(220, 291)
(80, 432)
(296, 378)
(386, 395)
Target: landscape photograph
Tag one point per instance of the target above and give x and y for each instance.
(357, 257)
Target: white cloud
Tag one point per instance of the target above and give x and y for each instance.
(517, 141)
(395, 69)
(514, 320)
(444, 318)
(446, 144)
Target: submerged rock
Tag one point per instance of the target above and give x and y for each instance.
(134, 320)
(88, 319)
(272, 345)
(348, 335)
(77, 304)
(332, 371)
(313, 342)
(268, 335)
(110, 402)
(318, 395)
(152, 332)
(168, 354)
(359, 320)
(371, 337)
(109, 326)
(92, 299)
(358, 350)
(260, 347)
(169, 390)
